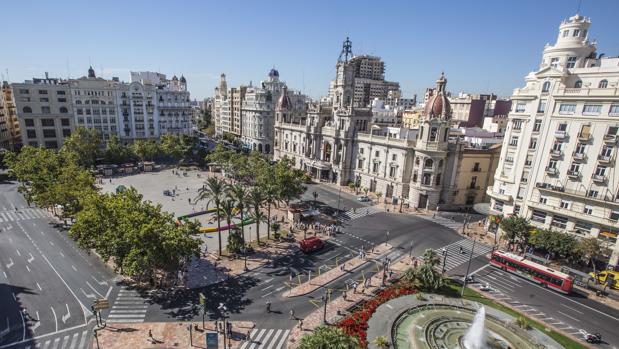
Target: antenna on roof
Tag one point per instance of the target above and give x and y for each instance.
(579, 5)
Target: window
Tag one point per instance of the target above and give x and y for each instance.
(557, 146)
(576, 33)
(552, 164)
(433, 134)
(24, 91)
(562, 127)
(529, 160)
(520, 107)
(438, 179)
(543, 200)
(62, 93)
(47, 122)
(541, 107)
(44, 99)
(516, 209)
(574, 168)
(473, 183)
(614, 215)
(476, 167)
(559, 222)
(62, 100)
(592, 193)
(66, 132)
(78, 102)
(375, 167)
(517, 124)
(31, 134)
(27, 110)
(582, 227)
(571, 62)
(49, 133)
(377, 153)
(415, 177)
(394, 157)
(580, 148)
(554, 62)
(533, 143)
(565, 204)
(600, 171)
(567, 108)
(63, 110)
(607, 151)
(538, 216)
(42, 92)
(614, 110)
(537, 125)
(592, 109)
(65, 122)
(51, 145)
(80, 111)
(612, 130)
(45, 110)
(525, 176)
(392, 170)
(513, 141)
(578, 84)
(603, 84)
(565, 33)
(546, 86)
(29, 122)
(360, 150)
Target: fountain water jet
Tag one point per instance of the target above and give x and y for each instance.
(475, 337)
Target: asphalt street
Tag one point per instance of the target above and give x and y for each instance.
(46, 283)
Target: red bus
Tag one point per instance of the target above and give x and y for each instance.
(536, 272)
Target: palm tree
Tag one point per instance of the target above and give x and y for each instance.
(431, 257)
(227, 209)
(270, 196)
(325, 337)
(238, 193)
(214, 191)
(381, 342)
(256, 199)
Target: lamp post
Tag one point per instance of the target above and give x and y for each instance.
(315, 195)
(466, 218)
(468, 267)
(387, 237)
(245, 255)
(410, 251)
(444, 259)
(222, 310)
(325, 298)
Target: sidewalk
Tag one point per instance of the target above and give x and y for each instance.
(166, 335)
(325, 278)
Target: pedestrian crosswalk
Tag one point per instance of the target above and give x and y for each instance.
(23, 215)
(355, 213)
(449, 223)
(267, 338)
(129, 306)
(459, 252)
(68, 340)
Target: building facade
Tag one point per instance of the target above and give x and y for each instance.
(10, 137)
(558, 162)
(469, 110)
(44, 111)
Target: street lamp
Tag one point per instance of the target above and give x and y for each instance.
(315, 195)
(444, 259)
(245, 254)
(325, 298)
(468, 267)
(387, 237)
(223, 310)
(410, 252)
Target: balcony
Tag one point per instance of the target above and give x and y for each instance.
(604, 158)
(560, 134)
(599, 178)
(555, 153)
(499, 196)
(552, 170)
(584, 137)
(476, 169)
(573, 174)
(610, 138)
(579, 156)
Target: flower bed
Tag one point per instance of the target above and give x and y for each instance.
(356, 324)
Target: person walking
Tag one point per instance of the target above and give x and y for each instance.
(292, 317)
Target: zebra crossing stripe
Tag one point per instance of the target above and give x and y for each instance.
(284, 337)
(272, 344)
(74, 341)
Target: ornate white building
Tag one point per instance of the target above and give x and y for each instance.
(337, 141)
(558, 163)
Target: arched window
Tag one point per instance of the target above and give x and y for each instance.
(27, 110)
(417, 160)
(267, 148)
(428, 163)
(578, 84)
(260, 148)
(603, 84)
(546, 86)
(64, 110)
(440, 164)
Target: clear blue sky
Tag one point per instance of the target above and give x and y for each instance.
(483, 45)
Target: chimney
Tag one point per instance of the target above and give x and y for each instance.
(46, 75)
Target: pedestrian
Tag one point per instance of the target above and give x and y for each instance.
(354, 287)
(268, 305)
(461, 250)
(344, 295)
(301, 324)
(248, 336)
(150, 334)
(292, 317)
(343, 267)
(367, 211)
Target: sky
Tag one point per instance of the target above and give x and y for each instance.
(482, 45)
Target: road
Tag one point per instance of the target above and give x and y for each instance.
(46, 283)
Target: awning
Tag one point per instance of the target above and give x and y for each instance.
(321, 165)
(310, 213)
(485, 209)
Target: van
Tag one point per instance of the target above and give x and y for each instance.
(607, 276)
(311, 244)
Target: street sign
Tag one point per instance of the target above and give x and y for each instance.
(101, 304)
(202, 299)
(212, 341)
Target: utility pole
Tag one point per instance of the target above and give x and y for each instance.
(410, 251)
(325, 298)
(468, 267)
(387, 237)
(444, 259)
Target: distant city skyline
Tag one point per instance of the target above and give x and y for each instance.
(483, 46)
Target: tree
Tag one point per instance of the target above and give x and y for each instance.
(288, 181)
(557, 243)
(238, 194)
(516, 229)
(426, 276)
(270, 195)
(145, 150)
(379, 196)
(116, 152)
(255, 199)
(382, 342)
(591, 249)
(83, 146)
(431, 257)
(214, 191)
(177, 147)
(324, 337)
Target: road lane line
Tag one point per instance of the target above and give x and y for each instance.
(97, 292)
(6, 277)
(18, 253)
(107, 295)
(571, 317)
(74, 268)
(74, 341)
(266, 288)
(284, 336)
(10, 263)
(84, 335)
(28, 268)
(51, 243)
(579, 312)
(23, 321)
(266, 294)
(14, 298)
(65, 341)
(39, 286)
(61, 254)
(31, 258)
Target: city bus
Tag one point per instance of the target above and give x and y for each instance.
(541, 274)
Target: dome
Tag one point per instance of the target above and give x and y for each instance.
(438, 105)
(183, 80)
(274, 73)
(91, 72)
(174, 78)
(284, 101)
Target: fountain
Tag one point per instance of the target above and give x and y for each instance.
(475, 337)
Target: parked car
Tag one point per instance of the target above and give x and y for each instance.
(167, 192)
(364, 198)
(311, 244)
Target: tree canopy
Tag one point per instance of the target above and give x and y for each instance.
(325, 337)
(83, 146)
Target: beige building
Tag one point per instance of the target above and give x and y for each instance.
(411, 118)
(10, 137)
(45, 111)
(558, 163)
(475, 172)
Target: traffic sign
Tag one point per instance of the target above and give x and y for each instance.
(212, 340)
(101, 304)
(202, 299)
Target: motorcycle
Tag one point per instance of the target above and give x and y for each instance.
(593, 338)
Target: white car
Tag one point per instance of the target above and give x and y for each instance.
(363, 198)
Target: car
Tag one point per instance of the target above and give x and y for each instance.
(167, 192)
(311, 244)
(364, 198)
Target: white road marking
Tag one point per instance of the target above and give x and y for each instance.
(14, 298)
(23, 321)
(39, 286)
(6, 277)
(31, 258)
(279, 288)
(107, 295)
(266, 294)
(129, 306)
(62, 254)
(18, 253)
(37, 323)
(28, 268)
(74, 268)
(97, 292)
(66, 316)
(102, 283)
(124, 311)
(10, 263)
(266, 288)
(267, 281)
(571, 317)
(284, 336)
(51, 243)
(572, 309)
(88, 295)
